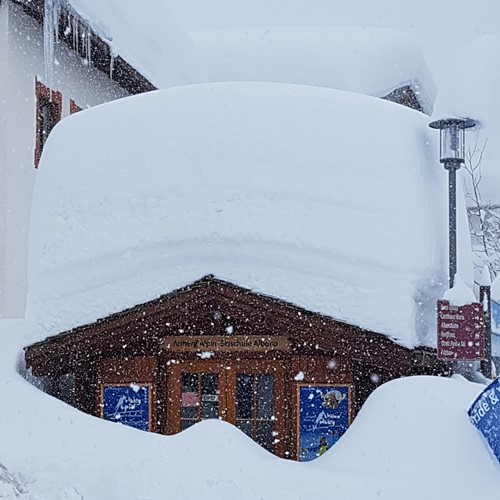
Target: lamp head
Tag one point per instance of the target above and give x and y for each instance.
(452, 138)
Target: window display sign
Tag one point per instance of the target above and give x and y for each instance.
(323, 418)
(127, 404)
(485, 415)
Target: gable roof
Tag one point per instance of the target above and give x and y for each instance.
(207, 307)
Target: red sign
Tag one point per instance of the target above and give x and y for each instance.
(460, 332)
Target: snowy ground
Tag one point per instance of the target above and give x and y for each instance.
(411, 440)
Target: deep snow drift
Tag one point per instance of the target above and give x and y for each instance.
(330, 200)
(364, 60)
(441, 28)
(411, 440)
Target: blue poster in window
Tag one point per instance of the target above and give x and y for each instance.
(485, 415)
(323, 418)
(128, 405)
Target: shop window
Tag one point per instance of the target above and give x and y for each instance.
(48, 113)
(199, 398)
(255, 408)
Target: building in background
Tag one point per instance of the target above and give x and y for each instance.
(57, 58)
(32, 102)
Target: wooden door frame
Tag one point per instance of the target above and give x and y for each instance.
(174, 389)
(227, 370)
(262, 367)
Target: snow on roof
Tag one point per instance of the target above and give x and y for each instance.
(147, 36)
(365, 60)
(331, 200)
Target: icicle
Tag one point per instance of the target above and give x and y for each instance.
(111, 65)
(89, 46)
(68, 30)
(86, 45)
(50, 32)
(75, 33)
(83, 45)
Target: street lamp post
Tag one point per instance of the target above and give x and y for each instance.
(485, 299)
(452, 154)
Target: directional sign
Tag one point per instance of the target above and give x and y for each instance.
(460, 332)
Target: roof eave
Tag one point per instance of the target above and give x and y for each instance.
(114, 67)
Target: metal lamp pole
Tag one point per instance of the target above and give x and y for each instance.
(485, 299)
(452, 153)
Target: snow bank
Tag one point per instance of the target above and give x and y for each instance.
(416, 437)
(147, 36)
(368, 61)
(412, 439)
(460, 294)
(330, 200)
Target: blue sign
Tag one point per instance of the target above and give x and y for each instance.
(128, 405)
(323, 418)
(485, 415)
(495, 316)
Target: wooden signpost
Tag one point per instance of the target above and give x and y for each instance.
(460, 332)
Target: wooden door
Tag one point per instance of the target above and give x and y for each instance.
(248, 394)
(196, 391)
(257, 402)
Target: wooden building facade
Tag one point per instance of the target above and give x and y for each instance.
(287, 377)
